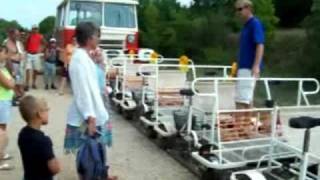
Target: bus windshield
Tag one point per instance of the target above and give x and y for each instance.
(119, 15)
(85, 11)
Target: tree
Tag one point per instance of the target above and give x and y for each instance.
(150, 31)
(5, 25)
(292, 12)
(201, 31)
(312, 49)
(46, 26)
(265, 10)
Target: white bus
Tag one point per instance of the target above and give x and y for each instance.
(117, 20)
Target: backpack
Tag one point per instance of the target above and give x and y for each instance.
(91, 160)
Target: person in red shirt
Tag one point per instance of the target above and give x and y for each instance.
(33, 47)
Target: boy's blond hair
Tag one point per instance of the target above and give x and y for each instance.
(243, 3)
(30, 106)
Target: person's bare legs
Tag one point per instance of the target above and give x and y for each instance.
(3, 140)
(62, 85)
(34, 78)
(244, 119)
(19, 90)
(28, 74)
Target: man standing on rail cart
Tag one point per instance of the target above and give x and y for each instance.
(249, 60)
(250, 54)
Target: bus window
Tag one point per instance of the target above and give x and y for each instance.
(62, 16)
(57, 22)
(85, 11)
(119, 15)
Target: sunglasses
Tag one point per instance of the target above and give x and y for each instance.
(240, 8)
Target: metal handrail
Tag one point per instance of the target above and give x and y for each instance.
(190, 66)
(301, 92)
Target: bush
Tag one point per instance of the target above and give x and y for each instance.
(285, 9)
(4, 26)
(47, 25)
(283, 58)
(200, 32)
(312, 48)
(265, 10)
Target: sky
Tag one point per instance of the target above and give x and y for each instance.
(29, 12)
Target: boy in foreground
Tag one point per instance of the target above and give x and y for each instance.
(36, 150)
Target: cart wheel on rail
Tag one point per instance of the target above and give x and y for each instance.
(128, 114)
(164, 143)
(211, 174)
(118, 109)
(151, 133)
(138, 112)
(111, 102)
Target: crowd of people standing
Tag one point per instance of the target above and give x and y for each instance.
(22, 59)
(83, 63)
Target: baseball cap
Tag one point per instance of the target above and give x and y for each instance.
(53, 40)
(35, 26)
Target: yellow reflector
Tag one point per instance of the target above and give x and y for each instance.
(183, 64)
(154, 57)
(131, 54)
(234, 69)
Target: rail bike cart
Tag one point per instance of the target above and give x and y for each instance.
(124, 82)
(248, 144)
(165, 96)
(303, 165)
(129, 81)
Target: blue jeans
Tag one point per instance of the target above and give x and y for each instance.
(49, 73)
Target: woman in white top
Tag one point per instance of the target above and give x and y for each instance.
(87, 111)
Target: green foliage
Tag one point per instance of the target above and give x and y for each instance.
(312, 49)
(201, 31)
(5, 25)
(46, 26)
(283, 58)
(292, 12)
(265, 10)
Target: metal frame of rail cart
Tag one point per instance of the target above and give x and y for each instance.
(305, 166)
(242, 140)
(161, 99)
(126, 81)
(129, 82)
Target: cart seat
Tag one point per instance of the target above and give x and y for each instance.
(143, 73)
(304, 122)
(186, 92)
(210, 73)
